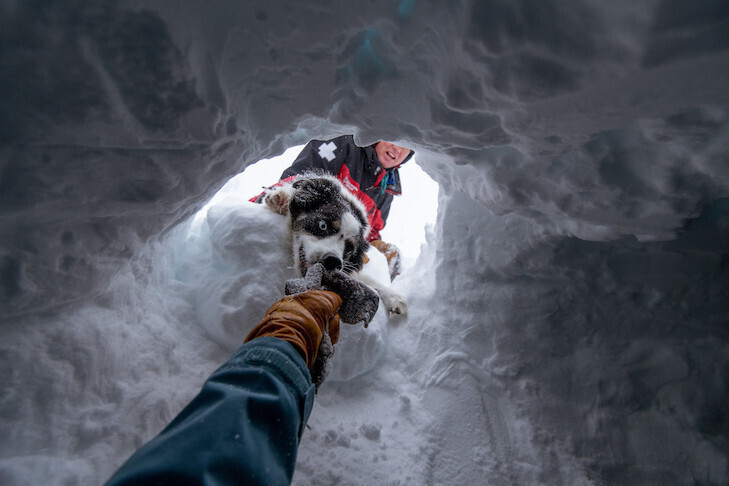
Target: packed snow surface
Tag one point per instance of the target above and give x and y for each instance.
(568, 313)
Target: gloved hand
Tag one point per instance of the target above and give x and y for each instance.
(392, 253)
(302, 319)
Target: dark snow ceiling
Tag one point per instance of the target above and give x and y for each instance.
(582, 150)
(118, 122)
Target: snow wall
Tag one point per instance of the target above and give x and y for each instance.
(569, 315)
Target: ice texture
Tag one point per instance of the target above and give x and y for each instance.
(567, 318)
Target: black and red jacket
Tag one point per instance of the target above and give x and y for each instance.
(360, 172)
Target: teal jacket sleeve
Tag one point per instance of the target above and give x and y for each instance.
(243, 427)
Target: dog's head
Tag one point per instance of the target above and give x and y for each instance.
(328, 224)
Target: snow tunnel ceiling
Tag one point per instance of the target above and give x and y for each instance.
(120, 121)
(125, 119)
(598, 121)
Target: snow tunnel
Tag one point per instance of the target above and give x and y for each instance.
(568, 314)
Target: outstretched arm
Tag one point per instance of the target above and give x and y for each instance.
(242, 428)
(245, 424)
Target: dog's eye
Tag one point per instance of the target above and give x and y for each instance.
(322, 225)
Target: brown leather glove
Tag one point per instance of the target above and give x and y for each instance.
(392, 253)
(302, 319)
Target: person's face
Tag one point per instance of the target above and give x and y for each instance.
(390, 155)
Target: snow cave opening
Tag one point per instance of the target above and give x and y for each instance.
(233, 257)
(412, 216)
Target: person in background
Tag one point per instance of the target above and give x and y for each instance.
(245, 425)
(370, 173)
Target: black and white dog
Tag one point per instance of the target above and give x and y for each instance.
(329, 226)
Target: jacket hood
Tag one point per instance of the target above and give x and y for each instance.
(410, 156)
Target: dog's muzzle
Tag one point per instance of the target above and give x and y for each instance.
(331, 261)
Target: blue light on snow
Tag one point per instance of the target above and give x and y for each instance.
(405, 9)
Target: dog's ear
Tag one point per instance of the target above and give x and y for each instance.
(278, 199)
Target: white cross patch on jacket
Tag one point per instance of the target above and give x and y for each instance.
(326, 151)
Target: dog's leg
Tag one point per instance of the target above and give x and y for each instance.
(394, 302)
(277, 199)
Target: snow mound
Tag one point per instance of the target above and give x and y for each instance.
(235, 261)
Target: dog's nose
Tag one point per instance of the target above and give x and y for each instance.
(332, 262)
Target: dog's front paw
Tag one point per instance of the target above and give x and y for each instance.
(395, 304)
(277, 199)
